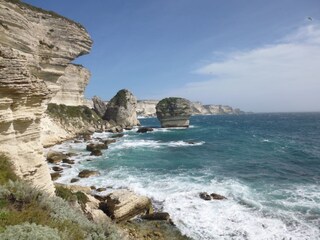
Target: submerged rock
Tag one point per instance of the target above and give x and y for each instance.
(87, 173)
(122, 205)
(174, 112)
(144, 130)
(96, 146)
(122, 109)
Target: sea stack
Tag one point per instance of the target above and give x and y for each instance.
(122, 109)
(174, 112)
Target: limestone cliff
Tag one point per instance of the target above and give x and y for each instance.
(147, 108)
(70, 86)
(36, 47)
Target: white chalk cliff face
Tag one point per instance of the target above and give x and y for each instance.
(147, 108)
(35, 49)
(71, 86)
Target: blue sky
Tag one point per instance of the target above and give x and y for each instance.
(255, 55)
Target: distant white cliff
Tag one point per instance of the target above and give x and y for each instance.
(147, 108)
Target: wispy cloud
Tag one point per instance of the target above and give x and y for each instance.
(283, 76)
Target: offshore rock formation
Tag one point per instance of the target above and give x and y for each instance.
(36, 47)
(147, 108)
(71, 86)
(121, 109)
(174, 112)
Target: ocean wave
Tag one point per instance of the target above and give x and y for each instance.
(153, 144)
(199, 219)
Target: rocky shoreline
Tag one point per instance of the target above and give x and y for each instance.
(135, 214)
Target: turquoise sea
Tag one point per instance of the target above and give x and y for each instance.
(267, 165)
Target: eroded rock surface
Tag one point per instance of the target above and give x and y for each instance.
(121, 109)
(174, 112)
(99, 106)
(36, 47)
(123, 204)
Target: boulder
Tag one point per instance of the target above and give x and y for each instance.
(99, 106)
(55, 157)
(122, 109)
(96, 146)
(121, 205)
(212, 196)
(73, 180)
(101, 189)
(55, 176)
(144, 130)
(68, 161)
(174, 112)
(95, 152)
(205, 196)
(57, 169)
(87, 173)
(216, 196)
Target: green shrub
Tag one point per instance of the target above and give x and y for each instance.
(27, 231)
(6, 170)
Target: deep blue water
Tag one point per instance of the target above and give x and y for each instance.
(267, 165)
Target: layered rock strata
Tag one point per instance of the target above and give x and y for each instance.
(36, 47)
(70, 86)
(121, 109)
(147, 108)
(174, 112)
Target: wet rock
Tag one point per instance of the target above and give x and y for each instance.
(73, 180)
(109, 141)
(205, 196)
(77, 141)
(93, 187)
(101, 189)
(128, 128)
(57, 169)
(216, 196)
(66, 166)
(55, 157)
(95, 152)
(69, 161)
(55, 176)
(96, 146)
(120, 135)
(163, 216)
(121, 205)
(144, 130)
(87, 173)
(71, 154)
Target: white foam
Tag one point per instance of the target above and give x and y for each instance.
(242, 216)
(152, 144)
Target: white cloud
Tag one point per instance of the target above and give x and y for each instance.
(284, 76)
